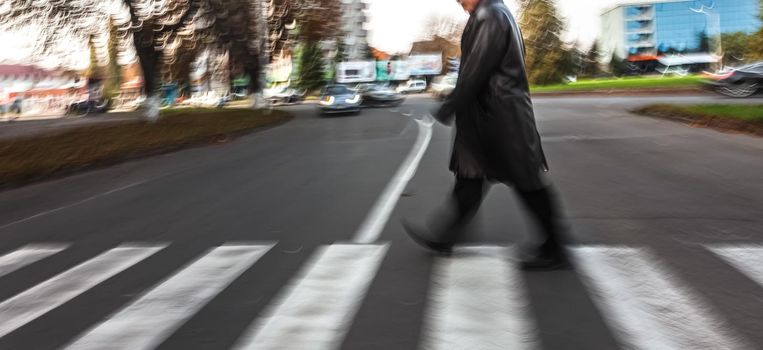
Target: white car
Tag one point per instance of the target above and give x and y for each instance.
(412, 87)
(443, 86)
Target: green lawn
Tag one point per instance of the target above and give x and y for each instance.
(749, 113)
(652, 82)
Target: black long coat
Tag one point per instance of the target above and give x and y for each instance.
(496, 137)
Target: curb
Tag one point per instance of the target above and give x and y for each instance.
(108, 162)
(625, 92)
(726, 125)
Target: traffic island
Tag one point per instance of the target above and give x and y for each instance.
(738, 118)
(31, 159)
(649, 85)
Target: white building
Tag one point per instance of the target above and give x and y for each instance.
(645, 30)
(355, 34)
(612, 40)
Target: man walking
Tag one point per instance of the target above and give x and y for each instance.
(496, 137)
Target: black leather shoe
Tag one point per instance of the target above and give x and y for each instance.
(418, 235)
(545, 262)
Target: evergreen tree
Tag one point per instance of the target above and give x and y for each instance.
(704, 42)
(736, 47)
(341, 56)
(571, 63)
(341, 51)
(545, 52)
(316, 22)
(311, 68)
(591, 61)
(618, 66)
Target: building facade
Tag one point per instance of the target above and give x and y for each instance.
(355, 34)
(646, 30)
(450, 50)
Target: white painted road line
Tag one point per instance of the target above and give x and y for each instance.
(38, 300)
(646, 306)
(748, 260)
(372, 226)
(27, 255)
(150, 319)
(477, 301)
(317, 308)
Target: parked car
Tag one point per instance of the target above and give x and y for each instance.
(207, 100)
(339, 99)
(285, 96)
(85, 107)
(443, 86)
(413, 86)
(380, 96)
(737, 82)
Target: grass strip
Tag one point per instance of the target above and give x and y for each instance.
(36, 158)
(627, 83)
(745, 118)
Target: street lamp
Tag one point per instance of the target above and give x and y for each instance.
(714, 18)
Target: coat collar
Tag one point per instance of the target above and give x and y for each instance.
(484, 3)
(488, 2)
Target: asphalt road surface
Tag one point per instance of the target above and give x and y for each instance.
(290, 238)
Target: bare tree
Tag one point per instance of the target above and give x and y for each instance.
(317, 19)
(54, 23)
(167, 36)
(154, 27)
(446, 27)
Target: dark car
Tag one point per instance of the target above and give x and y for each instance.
(380, 96)
(738, 82)
(83, 108)
(339, 99)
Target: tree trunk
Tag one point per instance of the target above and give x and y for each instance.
(149, 62)
(143, 40)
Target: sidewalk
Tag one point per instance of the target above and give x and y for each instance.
(28, 126)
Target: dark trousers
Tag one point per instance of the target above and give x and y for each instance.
(467, 196)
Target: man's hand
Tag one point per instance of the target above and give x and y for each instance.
(442, 114)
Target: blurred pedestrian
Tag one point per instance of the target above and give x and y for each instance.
(16, 108)
(496, 137)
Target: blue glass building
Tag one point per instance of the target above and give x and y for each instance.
(640, 31)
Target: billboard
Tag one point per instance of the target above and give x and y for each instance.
(425, 64)
(391, 70)
(356, 72)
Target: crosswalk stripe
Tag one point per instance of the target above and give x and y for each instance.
(317, 308)
(147, 321)
(40, 299)
(748, 260)
(477, 301)
(27, 255)
(647, 307)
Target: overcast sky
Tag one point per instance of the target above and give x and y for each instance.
(395, 24)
